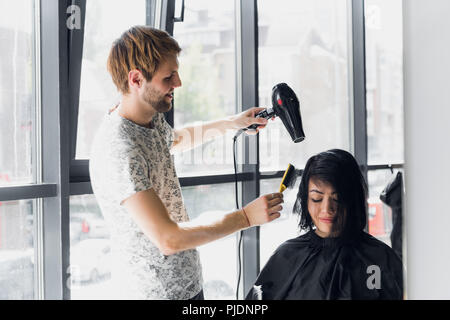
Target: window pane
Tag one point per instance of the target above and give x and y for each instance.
(380, 215)
(286, 227)
(17, 125)
(208, 73)
(106, 20)
(16, 250)
(208, 202)
(304, 44)
(384, 67)
(90, 259)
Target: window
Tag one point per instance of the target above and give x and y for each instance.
(18, 148)
(304, 44)
(17, 250)
(384, 68)
(106, 20)
(17, 104)
(384, 82)
(286, 227)
(208, 73)
(207, 203)
(380, 220)
(90, 256)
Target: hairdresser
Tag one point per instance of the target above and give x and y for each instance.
(134, 180)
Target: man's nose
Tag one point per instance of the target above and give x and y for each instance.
(176, 81)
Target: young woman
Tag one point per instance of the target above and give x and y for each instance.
(336, 258)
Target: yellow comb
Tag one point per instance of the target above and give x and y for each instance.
(288, 178)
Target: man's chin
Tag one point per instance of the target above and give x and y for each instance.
(162, 108)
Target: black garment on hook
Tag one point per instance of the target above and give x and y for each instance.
(392, 196)
(313, 268)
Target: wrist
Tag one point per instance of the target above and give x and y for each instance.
(230, 123)
(246, 220)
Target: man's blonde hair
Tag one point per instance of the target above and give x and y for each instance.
(142, 48)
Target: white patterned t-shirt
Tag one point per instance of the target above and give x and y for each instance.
(127, 158)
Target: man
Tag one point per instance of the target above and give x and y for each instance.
(134, 179)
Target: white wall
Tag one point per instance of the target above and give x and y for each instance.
(427, 147)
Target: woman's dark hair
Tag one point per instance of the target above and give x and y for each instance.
(339, 169)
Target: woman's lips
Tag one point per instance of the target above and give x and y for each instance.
(326, 220)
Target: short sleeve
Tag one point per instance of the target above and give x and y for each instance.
(129, 174)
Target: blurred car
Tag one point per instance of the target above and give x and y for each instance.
(86, 226)
(90, 260)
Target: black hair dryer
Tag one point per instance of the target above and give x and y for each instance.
(285, 105)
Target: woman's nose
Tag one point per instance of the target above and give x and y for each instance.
(328, 206)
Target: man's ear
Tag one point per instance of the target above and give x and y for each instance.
(135, 79)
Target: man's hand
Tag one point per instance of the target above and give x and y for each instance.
(247, 118)
(264, 209)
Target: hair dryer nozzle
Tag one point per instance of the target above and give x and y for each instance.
(286, 106)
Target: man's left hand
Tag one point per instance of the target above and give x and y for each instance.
(247, 118)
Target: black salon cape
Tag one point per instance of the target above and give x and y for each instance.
(314, 268)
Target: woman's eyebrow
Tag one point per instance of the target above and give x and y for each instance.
(314, 190)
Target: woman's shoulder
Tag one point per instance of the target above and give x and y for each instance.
(372, 241)
(285, 255)
(377, 246)
(295, 243)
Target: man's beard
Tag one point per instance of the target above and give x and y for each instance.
(156, 100)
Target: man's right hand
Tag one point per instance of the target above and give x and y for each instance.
(264, 209)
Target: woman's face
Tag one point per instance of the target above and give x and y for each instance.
(322, 206)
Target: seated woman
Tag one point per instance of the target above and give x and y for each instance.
(335, 259)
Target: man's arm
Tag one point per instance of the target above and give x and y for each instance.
(191, 137)
(150, 214)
